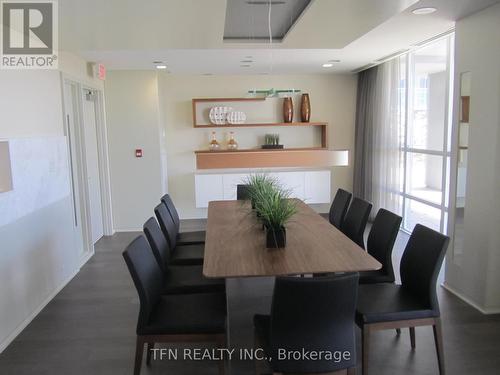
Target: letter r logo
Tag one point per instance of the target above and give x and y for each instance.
(28, 28)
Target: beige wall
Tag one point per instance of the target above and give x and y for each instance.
(475, 277)
(333, 99)
(133, 122)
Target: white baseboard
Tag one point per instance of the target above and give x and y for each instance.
(117, 230)
(5, 343)
(487, 311)
(84, 259)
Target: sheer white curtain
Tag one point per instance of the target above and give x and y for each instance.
(378, 166)
(387, 157)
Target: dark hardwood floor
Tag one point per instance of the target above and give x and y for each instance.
(89, 329)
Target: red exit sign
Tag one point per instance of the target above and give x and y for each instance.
(101, 72)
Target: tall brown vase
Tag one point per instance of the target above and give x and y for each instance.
(305, 108)
(287, 110)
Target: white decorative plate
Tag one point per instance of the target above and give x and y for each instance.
(236, 117)
(218, 115)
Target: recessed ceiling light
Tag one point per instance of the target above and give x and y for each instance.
(161, 67)
(327, 65)
(423, 11)
(333, 61)
(246, 61)
(245, 66)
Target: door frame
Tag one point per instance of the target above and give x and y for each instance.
(80, 176)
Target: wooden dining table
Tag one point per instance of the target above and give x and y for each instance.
(235, 249)
(235, 245)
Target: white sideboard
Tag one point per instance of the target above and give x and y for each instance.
(312, 186)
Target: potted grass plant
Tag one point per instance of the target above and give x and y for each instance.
(258, 187)
(275, 209)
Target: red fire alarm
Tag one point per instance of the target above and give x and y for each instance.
(138, 153)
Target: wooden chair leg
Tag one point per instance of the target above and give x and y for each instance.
(365, 345)
(139, 349)
(398, 331)
(412, 337)
(438, 339)
(151, 346)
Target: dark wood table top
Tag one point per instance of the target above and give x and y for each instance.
(236, 245)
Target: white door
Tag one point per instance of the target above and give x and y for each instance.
(92, 165)
(72, 132)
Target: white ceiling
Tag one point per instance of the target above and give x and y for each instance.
(188, 34)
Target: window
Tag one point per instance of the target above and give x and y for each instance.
(425, 129)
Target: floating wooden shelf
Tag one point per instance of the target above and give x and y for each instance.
(200, 108)
(259, 158)
(258, 150)
(264, 124)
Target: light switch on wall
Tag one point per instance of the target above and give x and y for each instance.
(5, 168)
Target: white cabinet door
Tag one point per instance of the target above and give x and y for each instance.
(230, 181)
(317, 187)
(292, 181)
(208, 187)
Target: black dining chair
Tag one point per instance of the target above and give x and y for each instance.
(412, 304)
(182, 254)
(242, 192)
(339, 207)
(379, 245)
(183, 238)
(178, 279)
(312, 314)
(170, 318)
(355, 220)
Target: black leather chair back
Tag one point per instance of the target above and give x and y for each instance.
(147, 277)
(381, 239)
(172, 210)
(158, 243)
(421, 262)
(167, 224)
(355, 220)
(313, 314)
(242, 192)
(339, 207)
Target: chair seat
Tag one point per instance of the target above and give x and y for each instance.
(190, 279)
(191, 238)
(187, 314)
(374, 277)
(188, 255)
(389, 302)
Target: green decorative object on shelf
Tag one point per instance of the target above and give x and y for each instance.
(272, 93)
(272, 141)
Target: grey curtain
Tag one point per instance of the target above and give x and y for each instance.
(377, 155)
(363, 146)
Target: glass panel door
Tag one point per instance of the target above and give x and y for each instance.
(425, 144)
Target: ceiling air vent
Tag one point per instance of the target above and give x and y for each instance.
(368, 66)
(391, 56)
(433, 39)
